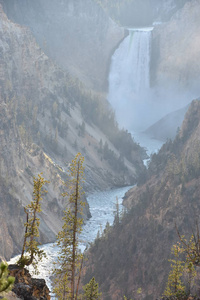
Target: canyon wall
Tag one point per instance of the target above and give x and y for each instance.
(134, 254)
(78, 35)
(175, 52)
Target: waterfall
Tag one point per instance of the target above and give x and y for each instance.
(129, 77)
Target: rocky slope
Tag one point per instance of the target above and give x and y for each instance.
(79, 36)
(175, 51)
(26, 287)
(134, 253)
(46, 118)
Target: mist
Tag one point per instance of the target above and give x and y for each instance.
(137, 112)
(136, 102)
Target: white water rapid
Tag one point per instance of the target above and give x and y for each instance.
(129, 78)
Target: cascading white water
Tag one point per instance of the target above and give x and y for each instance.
(129, 77)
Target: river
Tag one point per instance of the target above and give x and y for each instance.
(102, 207)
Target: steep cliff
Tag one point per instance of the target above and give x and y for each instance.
(78, 35)
(46, 118)
(175, 51)
(134, 253)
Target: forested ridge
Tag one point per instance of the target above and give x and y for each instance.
(134, 252)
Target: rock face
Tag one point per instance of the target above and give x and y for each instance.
(10, 232)
(26, 287)
(78, 35)
(17, 163)
(134, 254)
(175, 52)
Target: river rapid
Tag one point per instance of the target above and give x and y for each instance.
(102, 208)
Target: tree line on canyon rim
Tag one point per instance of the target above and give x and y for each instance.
(67, 269)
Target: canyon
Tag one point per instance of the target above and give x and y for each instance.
(54, 65)
(44, 124)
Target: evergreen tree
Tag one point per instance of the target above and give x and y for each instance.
(175, 286)
(91, 290)
(31, 253)
(191, 248)
(68, 267)
(116, 212)
(190, 274)
(6, 281)
(106, 230)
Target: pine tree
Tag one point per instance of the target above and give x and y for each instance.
(6, 281)
(190, 274)
(91, 290)
(116, 212)
(69, 265)
(191, 248)
(175, 286)
(31, 253)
